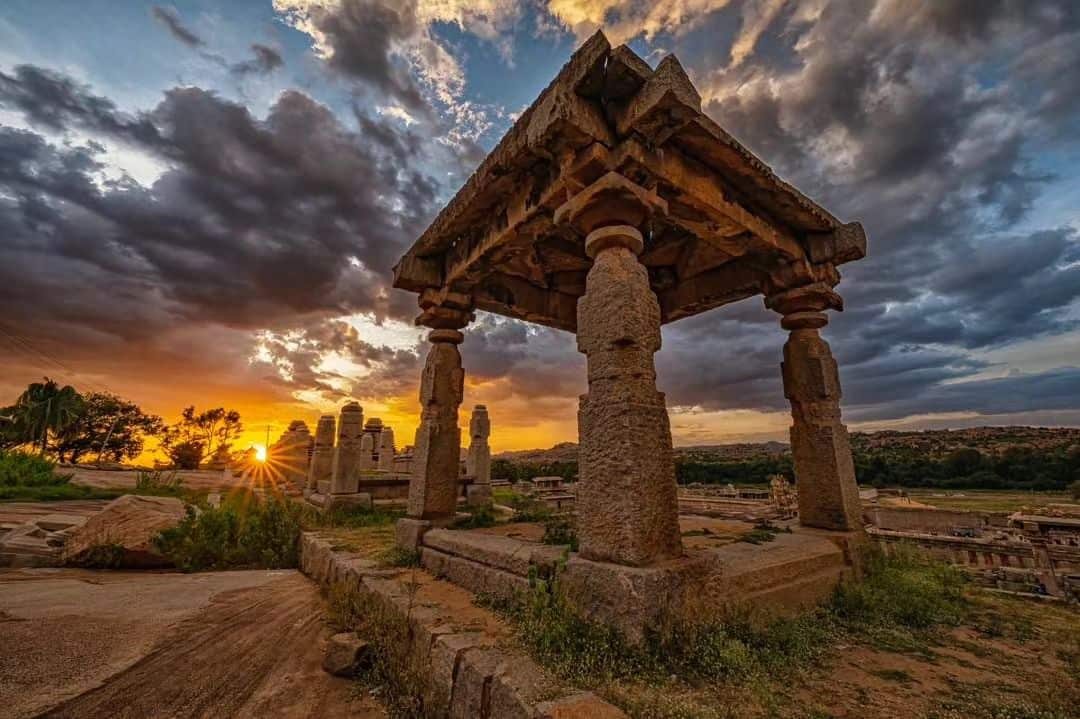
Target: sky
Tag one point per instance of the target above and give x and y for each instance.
(201, 202)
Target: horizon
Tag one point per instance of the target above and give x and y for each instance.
(216, 224)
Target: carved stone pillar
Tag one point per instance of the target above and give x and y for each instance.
(627, 504)
(433, 489)
(346, 465)
(824, 471)
(322, 456)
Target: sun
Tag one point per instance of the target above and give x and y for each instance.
(260, 452)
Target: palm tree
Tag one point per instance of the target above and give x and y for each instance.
(47, 407)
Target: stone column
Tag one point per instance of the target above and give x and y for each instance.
(322, 456)
(347, 454)
(367, 452)
(627, 504)
(386, 449)
(433, 489)
(824, 471)
(478, 459)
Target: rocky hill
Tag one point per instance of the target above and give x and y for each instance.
(932, 443)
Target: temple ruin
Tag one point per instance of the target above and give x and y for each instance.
(611, 207)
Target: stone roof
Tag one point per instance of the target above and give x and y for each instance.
(722, 226)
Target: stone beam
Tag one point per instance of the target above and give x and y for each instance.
(517, 298)
(698, 186)
(713, 288)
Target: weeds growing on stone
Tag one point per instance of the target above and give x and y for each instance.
(396, 675)
(244, 531)
(399, 557)
(477, 519)
(560, 530)
(900, 594)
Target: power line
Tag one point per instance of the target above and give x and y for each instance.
(25, 346)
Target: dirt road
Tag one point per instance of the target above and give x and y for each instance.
(139, 645)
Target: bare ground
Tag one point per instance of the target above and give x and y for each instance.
(111, 644)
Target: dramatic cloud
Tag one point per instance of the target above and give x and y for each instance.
(264, 60)
(255, 223)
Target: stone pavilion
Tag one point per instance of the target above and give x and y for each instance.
(613, 206)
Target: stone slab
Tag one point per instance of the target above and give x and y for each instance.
(479, 578)
(505, 553)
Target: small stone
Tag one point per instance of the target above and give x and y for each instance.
(346, 655)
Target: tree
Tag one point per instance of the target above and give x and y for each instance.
(186, 455)
(109, 427)
(45, 408)
(209, 430)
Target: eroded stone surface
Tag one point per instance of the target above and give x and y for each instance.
(348, 453)
(627, 500)
(322, 454)
(346, 655)
(129, 522)
(478, 459)
(433, 490)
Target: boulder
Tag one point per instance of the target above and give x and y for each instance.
(346, 655)
(127, 524)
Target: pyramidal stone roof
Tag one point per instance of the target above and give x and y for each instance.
(719, 225)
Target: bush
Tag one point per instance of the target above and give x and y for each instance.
(19, 469)
(186, 455)
(243, 532)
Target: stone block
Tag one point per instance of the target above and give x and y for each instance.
(470, 698)
(358, 499)
(130, 522)
(633, 599)
(346, 655)
(409, 533)
(474, 576)
(517, 685)
(478, 495)
(446, 652)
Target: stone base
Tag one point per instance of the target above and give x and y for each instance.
(478, 495)
(409, 533)
(325, 501)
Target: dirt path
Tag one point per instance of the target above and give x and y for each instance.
(230, 644)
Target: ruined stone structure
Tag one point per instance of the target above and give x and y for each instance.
(478, 458)
(291, 453)
(322, 455)
(386, 449)
(612, 206)
(348, 454)
(783, 496)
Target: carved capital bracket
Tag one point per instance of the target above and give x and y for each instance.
(610, 200)
(804, 307)
(444, 310)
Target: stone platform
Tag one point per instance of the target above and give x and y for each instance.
(468, 649)
(718, 573)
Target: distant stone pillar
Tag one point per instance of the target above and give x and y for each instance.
(348, 453)
(433, 489)
(478, 459)
(627, 501)
(824, 470)
(322, 456)
(367, 452)
(386, 449)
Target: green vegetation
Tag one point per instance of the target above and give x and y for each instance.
(560, 530)
(244, 531)
(199, 435)
(396, 556)
(32, 478)
(478, 518)
(762, 532)
(518, 471)
(397, 675)
(900, 596)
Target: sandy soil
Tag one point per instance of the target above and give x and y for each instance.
(140, 645)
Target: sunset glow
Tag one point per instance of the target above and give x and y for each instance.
(260, 452)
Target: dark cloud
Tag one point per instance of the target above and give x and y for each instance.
(168, 17)
(252, 223)
(264, 59)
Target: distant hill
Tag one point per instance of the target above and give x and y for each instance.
(931, 443)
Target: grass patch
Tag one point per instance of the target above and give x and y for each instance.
(396, 556)
(348, 517)
(479, 518)
(32, 478)
(762, 533)
(900, 599)
(396, 676)
(560, 530)
(244, 532)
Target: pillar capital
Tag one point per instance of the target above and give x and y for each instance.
(803, 308)
(444, 309)
(603, 238)
(611, 200)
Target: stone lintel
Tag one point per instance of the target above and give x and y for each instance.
(846, 243)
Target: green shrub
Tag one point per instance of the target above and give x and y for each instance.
(560, 530)
(19, 469)
(904, 591)
(478, 518)
(244, 531)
